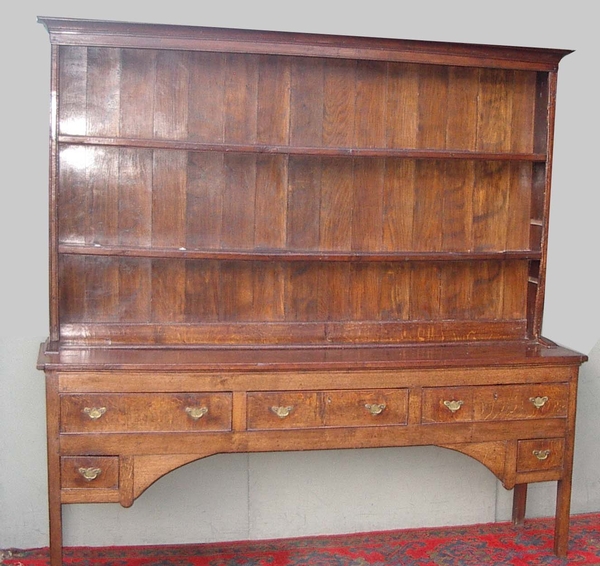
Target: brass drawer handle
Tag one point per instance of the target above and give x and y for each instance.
(94, 412)
(374, 408)
(453, 406)
(196, 413)
(541, 454)
(538, 402)
(89, 474)
(282, 412)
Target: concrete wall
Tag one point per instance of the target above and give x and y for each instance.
(273, 495)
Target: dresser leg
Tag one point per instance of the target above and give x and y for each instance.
(563, 516)
(56, 534)
(519, 503)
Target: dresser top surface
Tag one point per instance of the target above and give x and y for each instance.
(308, 358)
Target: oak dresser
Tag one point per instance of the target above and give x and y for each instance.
(266, 241)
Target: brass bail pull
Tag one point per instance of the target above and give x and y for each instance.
(538, 402)
(541, 454)
(282, 412)
(196, 412)
(94, 412)
(89, 474)
(453, 406)
(375, 408)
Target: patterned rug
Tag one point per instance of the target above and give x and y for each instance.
(477, 545)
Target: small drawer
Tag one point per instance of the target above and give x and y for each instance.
(89, 472)
(145, 412)
(538, 455)
(283, 410)
(375, 407)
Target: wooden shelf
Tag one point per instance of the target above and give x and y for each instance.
(289, 255)
(270, 149)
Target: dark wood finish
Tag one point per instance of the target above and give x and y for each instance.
(267, 241)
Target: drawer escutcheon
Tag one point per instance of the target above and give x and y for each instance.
(282, 412)
(454, 406)
(375, 408)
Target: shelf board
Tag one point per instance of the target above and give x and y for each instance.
(145, 143)
(293, 255)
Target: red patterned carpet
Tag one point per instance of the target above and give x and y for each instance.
(498, 544)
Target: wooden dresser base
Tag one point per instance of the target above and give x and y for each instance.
(117, 431)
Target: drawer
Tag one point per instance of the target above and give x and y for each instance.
(284, 410)
(538, 455)
(85, 472)
(352, 408)
(366, 407)
(145, 412)
(494, 403)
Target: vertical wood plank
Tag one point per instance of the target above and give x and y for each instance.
(457, 206)
(205, 193)
(135, 229)
(518, 205)
(364, 291)
(523, 111)
(488, 296)
(402, 105)
(74, 194)
(302, 280)
(463, 92)
(135, 197)
(72, 289)
(394, 302)
(456, 290)
(269, 291)
(138, 76)
(306, 116)
(171, 95)
(241, 102)
(101, 276)
(271, 201)
(429, 198)
(337, 204)
(237, 291)
(370, 123)
(103, 91)
(515, 281)
(274, 86)
(202, 291)
(490, 205)
(168, 291)
(398, 205)
(206, 104)
(135, 289)
(339, 94)
(495, 110)
(368, 201)
(72, 119)
(169, 199)
(425, 292)
(432, 107)
(239, 198)
(103, 179)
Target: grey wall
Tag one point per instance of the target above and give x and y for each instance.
(274, 495)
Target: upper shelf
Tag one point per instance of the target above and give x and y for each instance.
(271, 149)
(294, 255)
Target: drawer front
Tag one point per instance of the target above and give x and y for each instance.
(352, 408)
(535, 401)
(366, 407)
(494, 403)
(85, 472)
(145, 412)
(283, 410)
(539, 455)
